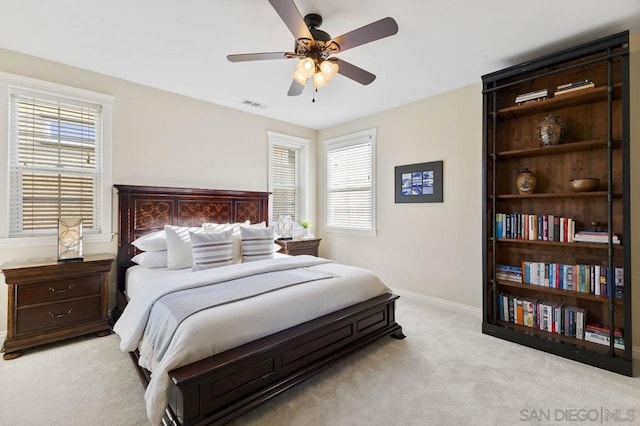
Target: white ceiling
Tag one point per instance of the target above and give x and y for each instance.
(181, 46)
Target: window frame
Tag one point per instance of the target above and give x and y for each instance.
(12, 82)
(351, 139)
(287, 141)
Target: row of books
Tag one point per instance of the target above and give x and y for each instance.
(562, 89)
(541, 315)
(545, 227)
(509, 273)
(590, 279)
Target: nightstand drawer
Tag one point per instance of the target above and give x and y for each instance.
(57, 315)
(56, 290)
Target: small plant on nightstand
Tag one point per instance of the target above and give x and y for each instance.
(305, 225)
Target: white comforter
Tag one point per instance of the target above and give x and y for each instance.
(215, 330)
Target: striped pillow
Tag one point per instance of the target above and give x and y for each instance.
(257, 243)
(211, 249)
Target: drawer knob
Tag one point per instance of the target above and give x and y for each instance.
(61, 290)
(64, 314)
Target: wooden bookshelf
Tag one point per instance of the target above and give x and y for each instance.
(595, 143)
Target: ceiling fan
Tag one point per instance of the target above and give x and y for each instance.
(314, 47)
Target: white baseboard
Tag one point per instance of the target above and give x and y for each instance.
(443, 302)
(466, 308)
(3, 335)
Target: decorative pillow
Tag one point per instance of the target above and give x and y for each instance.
(257, 243)
(237, 240)
(211, 249)
(179, 253)
(154, 241)
(151, 259)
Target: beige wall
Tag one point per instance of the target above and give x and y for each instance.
(433, 249)
(161, 138)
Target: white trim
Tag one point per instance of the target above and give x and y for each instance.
(9, 82)
(443, 302)
(3, 336)
(346, 140)
(303, 145)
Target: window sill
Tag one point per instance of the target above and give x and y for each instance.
(50, 240)
(359, 232)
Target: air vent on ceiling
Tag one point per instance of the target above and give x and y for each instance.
(254, 104)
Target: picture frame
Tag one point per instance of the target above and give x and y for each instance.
(69, 239)
(419, 183)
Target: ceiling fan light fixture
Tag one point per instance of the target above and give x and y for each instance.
(297, 76)
(306, 67)
(320, 80)
(329, 69)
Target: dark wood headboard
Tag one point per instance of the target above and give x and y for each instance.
(144, 209)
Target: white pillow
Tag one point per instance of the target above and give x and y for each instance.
(154, 241)
(151, 259)
(237, 240)
(211, 249)
(179, 254)
(257, 243)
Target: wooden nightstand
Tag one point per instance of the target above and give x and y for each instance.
(296, 247)
(51, 301)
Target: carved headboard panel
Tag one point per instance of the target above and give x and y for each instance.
(144, 209)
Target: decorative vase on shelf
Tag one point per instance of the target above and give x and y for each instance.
(526, 181)
(551, 129)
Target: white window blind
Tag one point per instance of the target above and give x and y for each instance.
(350, 182)
(55, 164)
(285, 178)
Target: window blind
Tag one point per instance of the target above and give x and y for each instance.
(349, 185)
(55, 164)
(285, 175)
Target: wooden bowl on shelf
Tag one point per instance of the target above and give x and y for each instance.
(584, 184)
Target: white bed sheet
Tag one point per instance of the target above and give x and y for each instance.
(216, 330)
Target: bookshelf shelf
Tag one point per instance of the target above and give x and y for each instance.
(579, 97)
(563, 293)
(557, 244)
(595, 143)
(558, 149)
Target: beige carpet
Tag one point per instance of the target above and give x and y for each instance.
(445, 373)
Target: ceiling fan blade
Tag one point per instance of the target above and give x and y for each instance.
(295, 89)
(354, 73)
(243, 57)
(292, 18)
(374, 31)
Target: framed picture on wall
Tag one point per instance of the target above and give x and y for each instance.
(419, 183)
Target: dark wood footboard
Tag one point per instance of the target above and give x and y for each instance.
(220, 388)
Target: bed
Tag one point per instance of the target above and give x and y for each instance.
(226, 384)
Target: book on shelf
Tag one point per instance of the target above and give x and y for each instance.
(531, 96)
(574, 86)
(600, 334)
(595, 237)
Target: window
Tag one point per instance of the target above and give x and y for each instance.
(350, 193)
(59, 165)
(287, 176)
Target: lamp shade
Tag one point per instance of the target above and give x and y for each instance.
(329, 69)
(306, 67)
(319, 80)
(297, 76)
